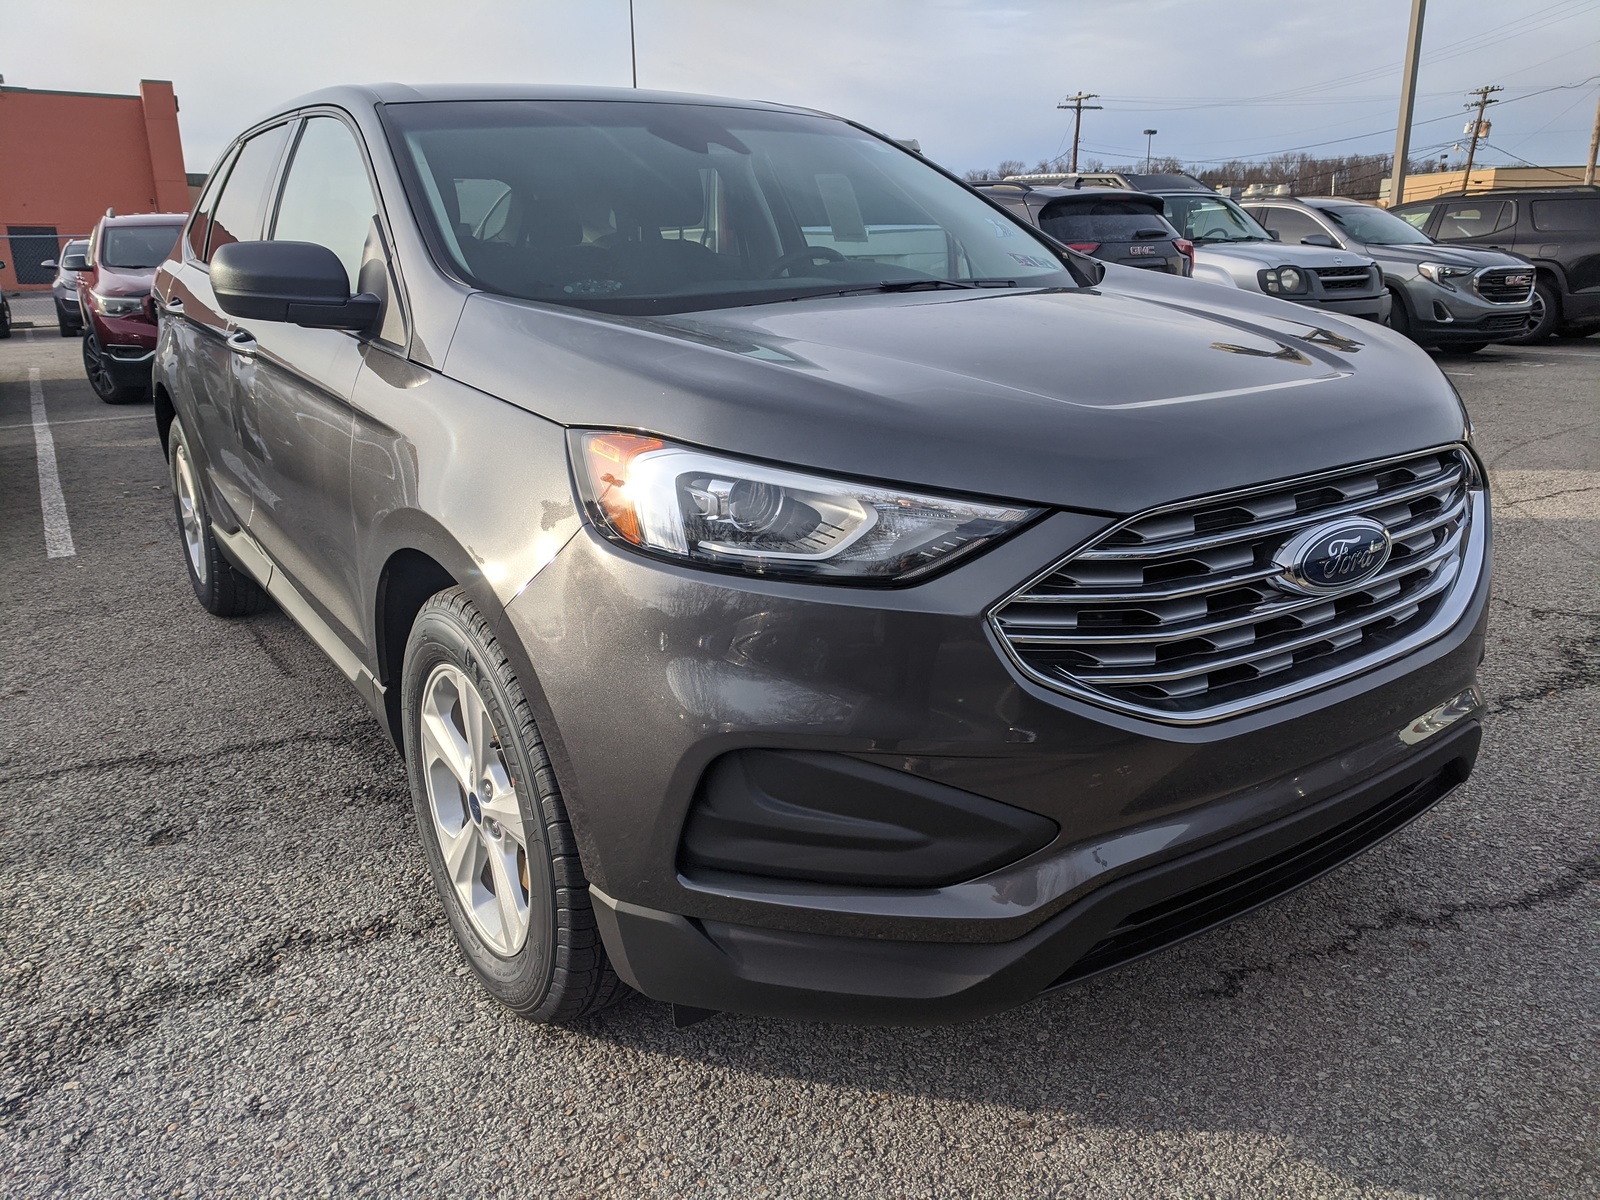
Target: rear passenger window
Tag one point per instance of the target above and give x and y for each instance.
(327, 198)
(1577, 215)
(244, 197)
(1474, 218)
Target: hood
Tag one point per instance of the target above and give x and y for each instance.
(1147, 389)
(123, 281)
(1280, 254)
(1459, 256)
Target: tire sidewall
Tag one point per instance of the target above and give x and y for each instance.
(204, 589)
(524, 980)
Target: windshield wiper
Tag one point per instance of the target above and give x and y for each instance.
(913, 285)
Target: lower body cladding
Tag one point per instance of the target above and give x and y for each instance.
(1440, 323)
(848, 805)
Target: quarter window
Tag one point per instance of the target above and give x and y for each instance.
(244, 197)
(1577, 215)
(201, 225)
(327, 198)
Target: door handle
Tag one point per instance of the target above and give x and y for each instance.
(241, 343)
(173, 305)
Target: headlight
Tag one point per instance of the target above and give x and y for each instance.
(116, 306)
(1442, 273)
(1282, 279)
(703, 508)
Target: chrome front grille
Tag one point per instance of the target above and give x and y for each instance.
(1173, 614)
(1505, 285)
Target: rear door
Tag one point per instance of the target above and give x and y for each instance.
(231, 210)
(1489, 224)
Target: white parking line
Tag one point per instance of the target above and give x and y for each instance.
(57, 529)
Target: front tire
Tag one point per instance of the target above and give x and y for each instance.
(1545, 316)
(493, 823)
(222, 589)
(104, 383)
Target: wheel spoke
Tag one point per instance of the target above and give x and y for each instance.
(461, 860)
(508, 898)
(441, 741)
(475, 723)
(507, 813)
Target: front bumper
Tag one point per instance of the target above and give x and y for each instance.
(719, 966)
(128, 345)
(643, 675)
(1371, 308)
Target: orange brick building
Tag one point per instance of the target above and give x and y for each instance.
(66, 157)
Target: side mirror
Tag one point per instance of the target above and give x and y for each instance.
(49, 263)
(75, 262)
(298, 282)
(1273, 234)
(1319, 239)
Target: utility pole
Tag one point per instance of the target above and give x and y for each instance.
(1483, 94)
(1408, 96)
(1077, 105)
(1594, 147)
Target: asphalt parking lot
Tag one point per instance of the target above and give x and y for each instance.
(223, 970)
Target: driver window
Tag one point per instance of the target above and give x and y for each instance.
(1292, 225)
(1470, 219)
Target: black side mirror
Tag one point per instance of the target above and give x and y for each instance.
(75, 262)
(1319, 239)
(1273, 234)
(298, 282)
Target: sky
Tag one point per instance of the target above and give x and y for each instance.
(975, 81)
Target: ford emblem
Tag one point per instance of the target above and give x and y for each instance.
(1332, 557)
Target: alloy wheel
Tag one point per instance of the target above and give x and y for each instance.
(476, 815)
(94, 364)
(189, 510)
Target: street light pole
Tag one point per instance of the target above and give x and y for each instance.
(1408, 96)
(1148, 135)
(1077, 105)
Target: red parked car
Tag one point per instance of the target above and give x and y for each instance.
(119, 340)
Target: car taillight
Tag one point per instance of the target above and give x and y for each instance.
(1186, 248)
(1083, 247)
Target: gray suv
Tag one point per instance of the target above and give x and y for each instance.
(795, 585)
(1458, 298)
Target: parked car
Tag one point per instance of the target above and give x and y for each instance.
(64, 287)
(1558, 229)
(796, 586)
(1457, 298)
(1108, 223)
(120, 333)
(5, 312)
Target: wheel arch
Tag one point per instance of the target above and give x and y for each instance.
(165, 412)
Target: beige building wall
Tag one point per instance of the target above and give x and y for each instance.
(1446, 183)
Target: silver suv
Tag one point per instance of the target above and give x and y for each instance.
(1459, 298)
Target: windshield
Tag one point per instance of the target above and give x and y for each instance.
(138, 247)
(1110, 220)
(1375, 226)
(1206, 218)
(631, 207)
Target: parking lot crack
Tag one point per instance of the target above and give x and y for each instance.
(152, 761)
(52, 1050)
(1574, 879)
